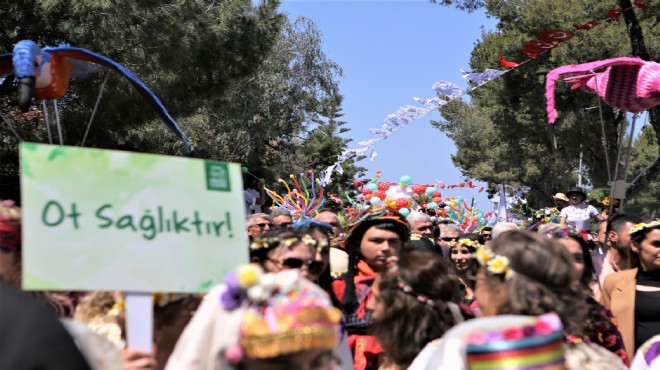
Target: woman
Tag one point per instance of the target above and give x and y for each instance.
(600, 325)
(321, 232)
(285, 249)
(411, 306)
(464, 266)
(634, 295)
(578, 214)
(261, 321)
(374, 240)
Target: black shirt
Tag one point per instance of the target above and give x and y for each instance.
(647, 308)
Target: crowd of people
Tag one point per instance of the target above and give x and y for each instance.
(377, 291)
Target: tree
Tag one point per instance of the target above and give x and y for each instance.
(239, 79)
(506, 118)
(647, 202)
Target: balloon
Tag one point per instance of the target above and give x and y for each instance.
(405, 180)
(368, 196)
(371, 186)
(244, 169)
(459, 199)
(383, 186)
(437, 199)
(433, 205)
(430, 190)
(436, 194)
(380, 194)
(375, 201)
(401, 202)
(405, 212)
(418, 189)
(367, 191)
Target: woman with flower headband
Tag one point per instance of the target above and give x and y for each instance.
(321, 232)
(634, 295)
(374, 240)
(285, 249)
(600, 325)
(261, 321)
(464, 266)
(522, 274)
(412, 306)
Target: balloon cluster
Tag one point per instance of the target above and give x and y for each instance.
(301, 201)
(468, 216)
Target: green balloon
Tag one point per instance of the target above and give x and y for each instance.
(245, 169)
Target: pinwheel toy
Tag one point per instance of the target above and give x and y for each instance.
(44, 74)
(629, 84)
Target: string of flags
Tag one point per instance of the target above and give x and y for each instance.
(446, 91)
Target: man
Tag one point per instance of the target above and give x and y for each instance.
(420, 223)
(486, 235)
(338, 257)
(501, 227)
(617, 255)
(450, 233)
(600, 237)
(281, 218)
(373, 243)
(257, 224)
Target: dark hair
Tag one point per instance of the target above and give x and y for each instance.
(167, 315)
(589, 273)
(617, 222)
(543, 280)
(474, 266)
(353, 242)
(638, 238)
(420, 243)
(406, 324)
(272, 240)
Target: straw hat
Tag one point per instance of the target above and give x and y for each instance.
(560, 196)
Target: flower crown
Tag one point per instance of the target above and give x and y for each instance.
(494, 263)
(260, 243)
(465, 243)
(640, 227)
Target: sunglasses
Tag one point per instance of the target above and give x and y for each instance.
(487, 236)
(425, 228)
(334, 224)
(313, 266)
(261, 225)
(448, 239)
(285, 224)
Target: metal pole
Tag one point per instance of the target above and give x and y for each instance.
(630, 141)
(580, 169)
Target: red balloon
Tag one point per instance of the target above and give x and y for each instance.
(436, 194)
(383, 186)
(367, 191)
(380, 194)
(401, 202)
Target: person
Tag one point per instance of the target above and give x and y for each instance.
(561, 201)
(420, 223)
(374, 239)
(257, 224)
(450, 233)
(257, 320)
(600, 325)
(464, 266)
(31, 337)
(285, 249)
(512, 342)
(412, 306)
(254, 195)
(578, 213)
(281, 218)
(502, 227)
(338, 255)
(419, 242)
(486, 235)
(648, 355)
(634, 295)
(321, 232)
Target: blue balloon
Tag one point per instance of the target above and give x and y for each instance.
(459, 198)
(371, 186)
(405, 180)
(434, 205)
(430, 190)
(405, 212)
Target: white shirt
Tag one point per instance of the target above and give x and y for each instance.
(579, 215)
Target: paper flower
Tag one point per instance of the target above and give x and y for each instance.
(639, 227)
(483, 255)
(498, 265)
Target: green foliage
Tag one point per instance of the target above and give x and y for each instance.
(243, 83)
(646, 203)
(502, 134)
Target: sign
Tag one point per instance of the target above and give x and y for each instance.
(98, 219)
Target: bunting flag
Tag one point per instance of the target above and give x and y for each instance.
(546, 40)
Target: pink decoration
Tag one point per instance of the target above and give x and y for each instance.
(629, 84)
(234, 354)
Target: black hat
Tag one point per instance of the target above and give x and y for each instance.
(576, 190)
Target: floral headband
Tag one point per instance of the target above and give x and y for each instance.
(640, 227)
(494, 263)
(375, 214)
(465, 243)
(260, 243)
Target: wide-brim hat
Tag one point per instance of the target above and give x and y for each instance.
(560, 196)
(576, 190)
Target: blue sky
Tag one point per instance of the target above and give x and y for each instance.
(392, 51)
